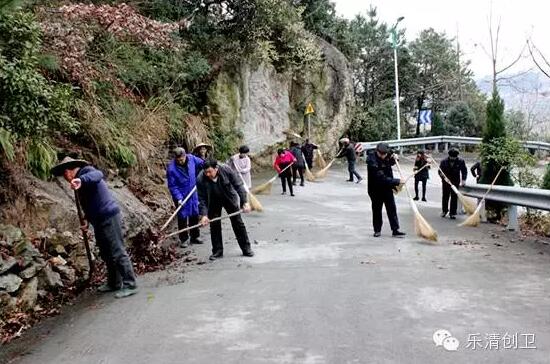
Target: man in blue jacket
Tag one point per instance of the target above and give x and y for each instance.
(103, 213)
(181, 176)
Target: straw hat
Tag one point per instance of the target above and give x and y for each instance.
(67, 163)
(198, 146)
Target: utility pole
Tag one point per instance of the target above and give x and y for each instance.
(458, 64)
(394, 45)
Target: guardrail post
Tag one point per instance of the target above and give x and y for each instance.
(436, 149)
(513, 224)
(483, 212)
(446, 146)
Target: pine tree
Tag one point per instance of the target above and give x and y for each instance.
(494, 129)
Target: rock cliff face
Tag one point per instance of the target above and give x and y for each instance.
(261, 104)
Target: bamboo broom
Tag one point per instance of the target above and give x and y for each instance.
(400, 187)
(265, 188)
(309, 176)
(323, 172)
(474, 219)
(179, 208)
(255, 204)
(200, 225)
(320, 161)
(421, 226)
(468, 204)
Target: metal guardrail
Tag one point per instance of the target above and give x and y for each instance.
(512, 196)
(445, 139)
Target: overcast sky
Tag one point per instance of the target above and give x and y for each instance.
(520, 19)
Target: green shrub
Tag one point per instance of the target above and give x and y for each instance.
(546, 180)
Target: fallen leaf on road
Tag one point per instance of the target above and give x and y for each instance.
(498, 244)
(368, 262)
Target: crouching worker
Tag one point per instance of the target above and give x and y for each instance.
(103, 213)
(219, 186)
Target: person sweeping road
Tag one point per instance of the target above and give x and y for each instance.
(348, 151)
(453, 167)
(283, 160)
(102, 211)
(181, 179)
(299, 166)
(421, 166)
(241, 164)
(220, 187)
(380, 188)
(308, 150)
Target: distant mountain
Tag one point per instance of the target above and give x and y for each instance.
(528, 92)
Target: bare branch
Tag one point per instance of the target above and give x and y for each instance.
(535, 61)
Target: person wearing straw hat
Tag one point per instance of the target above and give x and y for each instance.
(103, 213)
(454, 168)
(219, 187)
(307, 150)
(283, 160)
(299, 166)
(348, 151)
(241, 164)
(421, 165)
(181, 176)
(380, 188)
(202, 151)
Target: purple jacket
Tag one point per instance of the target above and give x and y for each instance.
(95, 198)
(180, 183)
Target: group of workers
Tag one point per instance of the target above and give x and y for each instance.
(204, 187)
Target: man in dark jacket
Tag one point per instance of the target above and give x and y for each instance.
(219, 186)
(299, 166)
(181, 178)
(103, 213)
(348, 151)
(380, 187)
(307, 149)
(453, 167)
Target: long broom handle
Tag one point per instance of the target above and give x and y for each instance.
(416, 172)
(442, 173)
(199, 225)
(84, 235)
(179, 208)
(493, 183)
(401, 175)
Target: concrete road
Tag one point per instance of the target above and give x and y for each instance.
(321, 289)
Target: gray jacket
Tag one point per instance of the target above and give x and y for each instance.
(231, 184)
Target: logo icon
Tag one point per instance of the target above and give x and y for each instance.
(445, 338)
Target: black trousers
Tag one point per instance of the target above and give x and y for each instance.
(378, 200)
(297, 171)
(309, 162)
(286, 178)
(449, 193)
(237, 223)
(416, 182)
(352, 171)
(108, 235)
(184, 222)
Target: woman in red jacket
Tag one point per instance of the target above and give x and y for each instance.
(283, 160)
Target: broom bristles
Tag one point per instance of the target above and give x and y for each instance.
(423, 228)
(469, 205)
(309, 176)
(320, 161)
(474, 219)
(263, 189)
(255, 203)
(323, 172)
